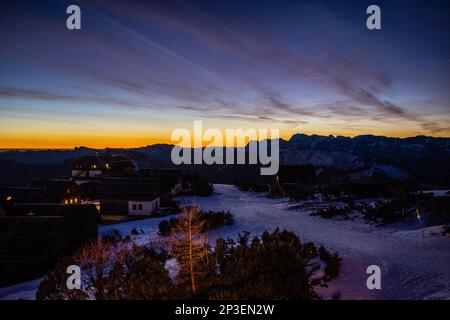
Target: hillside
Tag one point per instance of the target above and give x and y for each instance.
(425, 159)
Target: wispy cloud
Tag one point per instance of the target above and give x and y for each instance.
(291, 65)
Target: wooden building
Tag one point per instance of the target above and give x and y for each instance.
(30, 246)
(129, 196)
(34, 236)
(11, 195)
(170, 179)
(58, 190)
(88, 167)
(81, 220)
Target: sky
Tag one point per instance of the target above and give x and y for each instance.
(137, 70)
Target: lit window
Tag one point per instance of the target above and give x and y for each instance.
(76, 200)
(66, 201)
(71, 201)
(9, 198)
(94, 166)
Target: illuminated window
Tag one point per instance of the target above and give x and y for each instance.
(94, 166)
(71, 201)
(107, 166)
(66, 201)
(9, 198)
(76, 200)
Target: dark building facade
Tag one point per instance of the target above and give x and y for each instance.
(170, 179)
(30, 246)
(11, 195)
(81, 220)
(88, 167)
(35, 235)
(58, 190)
(129, 196)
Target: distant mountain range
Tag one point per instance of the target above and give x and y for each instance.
(426, 159)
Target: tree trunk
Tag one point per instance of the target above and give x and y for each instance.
(191, 262)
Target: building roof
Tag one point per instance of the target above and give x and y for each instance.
(168, 177)
(155, 172)
(138, 189)
(120, 180)
(55, 187)
(54, 210)
(21, 194)
(102, 162)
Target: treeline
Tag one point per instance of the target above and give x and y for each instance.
(369, 189)
(332, 212)
(344, 191)
(399, 207)
(256, 187)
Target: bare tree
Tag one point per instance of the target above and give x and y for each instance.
(188, 244)
(96, 261)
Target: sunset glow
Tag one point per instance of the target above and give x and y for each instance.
(130, 77)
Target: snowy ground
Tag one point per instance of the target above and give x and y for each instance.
(20, 291)
(412, 267)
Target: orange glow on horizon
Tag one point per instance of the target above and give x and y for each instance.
(101, 142)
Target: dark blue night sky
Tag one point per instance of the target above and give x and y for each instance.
(139, 69)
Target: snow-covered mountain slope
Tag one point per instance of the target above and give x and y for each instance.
(424, 158)
(318, 158)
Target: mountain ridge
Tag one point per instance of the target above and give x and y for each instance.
(421, 157)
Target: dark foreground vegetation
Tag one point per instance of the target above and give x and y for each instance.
(272, 266)
(380, 203)
(432, 210)
(331, 212)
